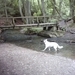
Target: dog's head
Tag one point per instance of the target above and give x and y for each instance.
(45, 40)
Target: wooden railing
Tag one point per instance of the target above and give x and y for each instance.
(24, 21)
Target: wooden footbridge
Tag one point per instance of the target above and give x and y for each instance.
(28, 21)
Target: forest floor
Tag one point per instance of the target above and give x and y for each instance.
(16, 60)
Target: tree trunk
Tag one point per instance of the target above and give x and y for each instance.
(71, 7)
(43, 7)
(60, 5)
(20, 9)
(54, 11)
(40, 7)
(54, 5)
(72, 11)
(27, 8)
(27, 11)
(6, 10)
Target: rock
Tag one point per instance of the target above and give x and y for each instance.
(1, 41)
(70, 41)
(48, 34)
(22, 31)
(43, 34)
(30, 32)
(72, 32)
(51, 35)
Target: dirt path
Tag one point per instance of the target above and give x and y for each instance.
(16, 60)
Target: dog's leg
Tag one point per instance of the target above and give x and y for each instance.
(49, 49)
(44, 49)
(55, 49)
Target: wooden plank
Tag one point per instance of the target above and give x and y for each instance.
(30, 25)
(47, 23)
(40, 24)
(6, 26)
(10, 26)
(26, 25)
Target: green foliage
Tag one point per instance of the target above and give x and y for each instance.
(37, 13)
(13, 8)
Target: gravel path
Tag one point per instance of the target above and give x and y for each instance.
(16, 60)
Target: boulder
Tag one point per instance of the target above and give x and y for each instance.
(43, 34)
(48, 34)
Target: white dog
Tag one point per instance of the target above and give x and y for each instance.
(51, 44)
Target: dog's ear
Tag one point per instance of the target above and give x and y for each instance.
(46, 39)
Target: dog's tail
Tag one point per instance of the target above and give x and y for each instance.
(60, 47)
